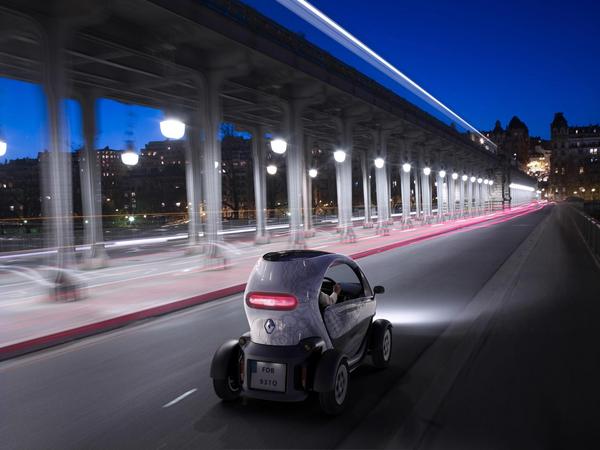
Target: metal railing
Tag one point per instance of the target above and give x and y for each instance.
(587, 226)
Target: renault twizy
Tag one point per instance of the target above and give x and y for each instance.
(294, 346)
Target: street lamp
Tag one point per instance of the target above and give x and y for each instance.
(278, 146)
(427, 171)
(271, 169)
(455, 176)
(339, 156)
(486, 181)
(480, 180)
(491, 182)
(406, 167)
(473, 179)
(442, 173)
(312, 173)
(3, 147)
(465, 177)
(379, 162)
(172, 128)
(130, 157)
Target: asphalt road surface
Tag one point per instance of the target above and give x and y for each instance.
(147, 386)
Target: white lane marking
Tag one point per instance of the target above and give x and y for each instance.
(181, 397)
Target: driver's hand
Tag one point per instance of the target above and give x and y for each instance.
(337, 289)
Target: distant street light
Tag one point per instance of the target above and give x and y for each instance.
(455, 176)
(491, 182)
(130, 157)
(406, 167)
(3, 147)
(278, 146)
(427, 170)
(339, 156)
(486, 181)
(172, 128)
(131, 219)
(480, 180)
(442, 173)
(312, 173)
(379, 162)
(473, 179)
(465, 177)
(271, 169)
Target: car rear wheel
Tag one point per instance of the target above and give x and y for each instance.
(225, 371)
(381, 351)
(227, 390)
(334, 401)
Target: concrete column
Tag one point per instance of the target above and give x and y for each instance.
(308, 201)
(56, 167)
(212, 167)
(470, 195)
(193, 180)
(91, 197)
(417, 185)
(366, 181)
(260, 184)
(306, 188)
(295, 166)
(477, 196)
(405, 192)
(461, 194)
(344, 183)
(426, 191)
(451, 195)
(441, 194)
(382, 188)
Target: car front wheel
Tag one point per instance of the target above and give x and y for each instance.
(381, 351)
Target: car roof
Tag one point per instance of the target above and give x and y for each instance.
(292, 255)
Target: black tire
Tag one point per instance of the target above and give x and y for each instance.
(333, 402)
(226, 380)
(227, 390)
(381, 350)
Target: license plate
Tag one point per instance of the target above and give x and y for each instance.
(267, 376)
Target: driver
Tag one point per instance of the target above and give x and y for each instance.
(326, 300)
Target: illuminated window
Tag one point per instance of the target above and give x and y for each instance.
(581, 170)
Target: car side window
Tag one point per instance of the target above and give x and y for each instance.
(351, 284)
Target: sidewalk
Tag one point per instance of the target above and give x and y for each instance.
(148, 287)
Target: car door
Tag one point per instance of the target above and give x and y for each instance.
(348, 320)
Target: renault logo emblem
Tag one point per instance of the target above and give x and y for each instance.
(269, 326)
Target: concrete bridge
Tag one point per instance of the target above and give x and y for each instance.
(209, 61)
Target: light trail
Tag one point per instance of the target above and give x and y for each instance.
(326, 25)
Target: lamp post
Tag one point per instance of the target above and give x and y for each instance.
(339, 156)
(130, 157)
(278, 146)
(172, 128)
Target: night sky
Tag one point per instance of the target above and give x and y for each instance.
(486, 60)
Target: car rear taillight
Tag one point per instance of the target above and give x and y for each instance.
(279, 302)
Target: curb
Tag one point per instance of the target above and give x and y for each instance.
(61, 337)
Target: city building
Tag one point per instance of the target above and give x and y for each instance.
(538, 166)
(20, 189)
(513, 142)
(575, 160)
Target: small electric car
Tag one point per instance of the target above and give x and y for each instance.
(294, 346)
